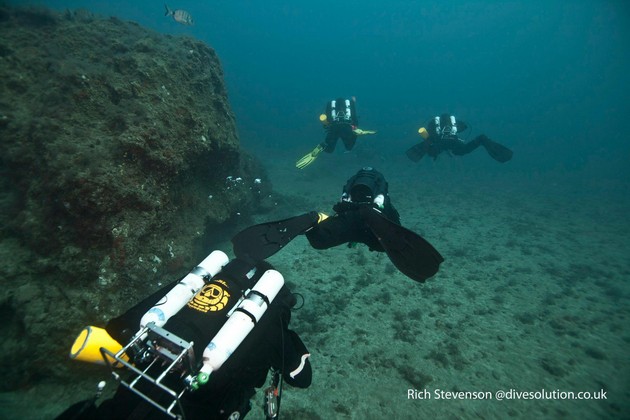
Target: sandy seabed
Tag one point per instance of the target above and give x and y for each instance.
(532, 299)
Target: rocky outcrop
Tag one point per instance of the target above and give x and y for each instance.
(119, 153)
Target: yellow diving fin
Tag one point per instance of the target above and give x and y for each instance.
(309, 158)
(360, 132)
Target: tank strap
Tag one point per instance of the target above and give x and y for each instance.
(246, 312)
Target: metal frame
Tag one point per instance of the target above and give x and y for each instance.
(159, 346)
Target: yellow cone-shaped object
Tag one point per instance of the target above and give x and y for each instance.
(87, 346)
(424, 133)
(323, 119)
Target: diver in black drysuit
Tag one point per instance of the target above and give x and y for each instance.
(366, 187)
(271, 344)
(341, 118)
(442, 135)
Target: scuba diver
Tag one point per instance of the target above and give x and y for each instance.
(201, 350)
(199, 347)
(340, 122)
(442, 135)
(364, 214)
(366, 187)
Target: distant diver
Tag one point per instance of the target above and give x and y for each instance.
(442, 135)
(180, 16)
(340, 121)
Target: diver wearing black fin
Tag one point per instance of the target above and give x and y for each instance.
(408, 251)
(261, 241)
(367, 187)
(364, 214)
(442, 135)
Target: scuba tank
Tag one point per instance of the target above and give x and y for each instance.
(344, 114)
(241, 321)
(453, 126)
(448, 129)
(366, 186)
(183, 291)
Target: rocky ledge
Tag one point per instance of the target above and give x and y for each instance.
(119, 158)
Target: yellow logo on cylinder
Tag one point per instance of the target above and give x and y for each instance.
(212, 297)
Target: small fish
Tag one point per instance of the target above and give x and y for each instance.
(180, 16)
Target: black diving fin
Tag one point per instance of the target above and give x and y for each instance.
(416, 152)
(497, 151)
(409, 252)
(259, 242)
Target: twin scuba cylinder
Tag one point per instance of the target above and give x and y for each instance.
(449, 127)
(241, 320)
(336, 113)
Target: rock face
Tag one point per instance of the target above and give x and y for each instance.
(119, 153)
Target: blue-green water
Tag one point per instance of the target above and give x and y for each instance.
(534, 291)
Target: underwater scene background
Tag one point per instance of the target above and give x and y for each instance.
(533, 295)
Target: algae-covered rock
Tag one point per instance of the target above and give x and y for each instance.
(119, 152)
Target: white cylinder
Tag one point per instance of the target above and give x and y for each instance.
(236, 328)
(183, 291)
(348, 114)
(453, 125)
